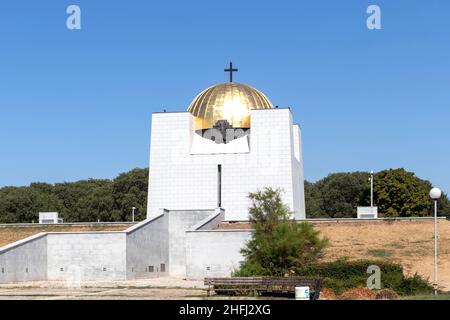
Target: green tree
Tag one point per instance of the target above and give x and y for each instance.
(279, 245)
(22, 204)
(396, 193)
(337, 195)
(85, 200)
(443, 206)
(130, 190)
(77, 198)
(312, 201)
(399, 193)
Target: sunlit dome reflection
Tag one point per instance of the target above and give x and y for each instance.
(229, 101)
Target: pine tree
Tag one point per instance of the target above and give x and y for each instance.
(279, 245)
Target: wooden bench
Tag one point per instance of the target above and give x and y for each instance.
(260, 285)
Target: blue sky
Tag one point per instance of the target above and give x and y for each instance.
(77, 104)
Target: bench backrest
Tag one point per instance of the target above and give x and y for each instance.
(277, 281)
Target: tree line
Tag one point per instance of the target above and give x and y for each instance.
(86, 200)
(397, 193)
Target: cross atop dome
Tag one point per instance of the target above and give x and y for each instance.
(231, 70)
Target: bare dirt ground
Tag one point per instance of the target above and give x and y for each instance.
(14, 233)
(167, 288)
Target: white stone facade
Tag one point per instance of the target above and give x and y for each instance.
(183, 174)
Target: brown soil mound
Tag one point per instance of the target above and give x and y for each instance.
(327, 294)
(357, 294)
(386, 294)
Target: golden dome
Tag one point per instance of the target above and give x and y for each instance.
(229, 101)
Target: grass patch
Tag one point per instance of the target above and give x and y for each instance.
(342, 275)
(440, 296)
(379, 253)
(396, 245)
(419, 241)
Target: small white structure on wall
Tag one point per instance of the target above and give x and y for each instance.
(49, 217)
(367, 212)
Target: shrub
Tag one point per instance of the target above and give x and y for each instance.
(279, 244)
(414, 285)
(342, 275)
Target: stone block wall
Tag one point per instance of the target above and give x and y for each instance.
(147, 248)
(179, 222)
(214, 253)
(89, 256)
(24, 260)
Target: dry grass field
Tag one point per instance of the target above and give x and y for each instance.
(409, 243)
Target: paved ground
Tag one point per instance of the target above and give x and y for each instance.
(154, 289)
(168, 288)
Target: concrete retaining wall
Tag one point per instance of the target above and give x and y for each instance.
(147, 248)
(214, 253)
(88, 256)
(179, 222)
(175, 242)
(24, 260)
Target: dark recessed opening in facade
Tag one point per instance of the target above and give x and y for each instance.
(151, 269)
(219, 185)
(163, 267)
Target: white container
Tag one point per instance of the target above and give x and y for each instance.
(301, 293)
(367, 212)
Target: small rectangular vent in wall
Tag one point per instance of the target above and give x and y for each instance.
(163, 267)
(61, 269)
(3, 270)
(104, 269)
(26, 270)
(151, 269)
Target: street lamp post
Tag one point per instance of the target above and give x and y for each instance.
(435, 194)
(371, 188)
(132, 213)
